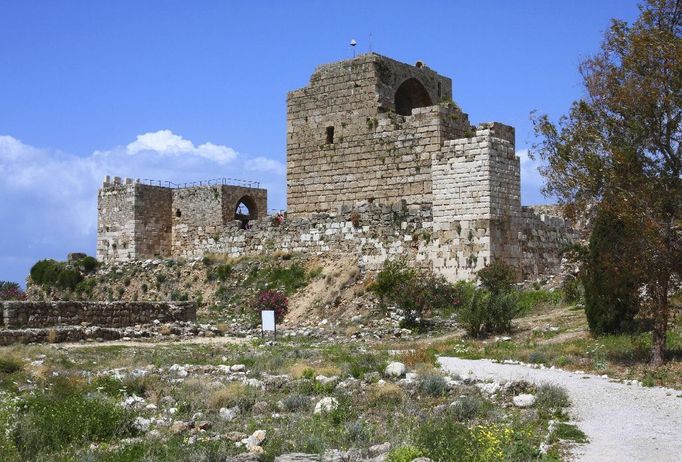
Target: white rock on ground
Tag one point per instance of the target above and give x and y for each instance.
(622, 422)
(395, 369)
(228, 414)
(326, 404)
(523, 400)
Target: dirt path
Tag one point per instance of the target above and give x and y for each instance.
(623, 422)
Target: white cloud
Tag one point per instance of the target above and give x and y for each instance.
(166, 142)
(263, 164)
(49, 197)
(531, 179)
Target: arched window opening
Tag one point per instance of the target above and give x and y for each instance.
(245, 210)
(411, 94)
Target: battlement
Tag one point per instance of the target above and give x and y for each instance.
(147, 218)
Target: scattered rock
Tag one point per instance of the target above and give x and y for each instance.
(229, 414)
(524, 400)
(179, 427)
(379, 449)
(326, 404)
(395, 369)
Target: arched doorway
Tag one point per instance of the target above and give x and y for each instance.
(409, 95)
(246, 210)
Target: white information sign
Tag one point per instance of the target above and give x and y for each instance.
(268, 320)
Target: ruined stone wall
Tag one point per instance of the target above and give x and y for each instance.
(21, 315)
(133, 220)
(255, 199)
(375, 154)
(116, 222)
(542, 237)
(153, 220)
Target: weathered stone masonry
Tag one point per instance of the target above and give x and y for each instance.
(22, 315)
(370, 141)
(137, 220)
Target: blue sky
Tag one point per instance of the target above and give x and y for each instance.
(184, 90)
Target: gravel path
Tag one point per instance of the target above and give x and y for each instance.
(623, 422)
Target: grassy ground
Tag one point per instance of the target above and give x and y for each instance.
(556, 334)
(61, 404)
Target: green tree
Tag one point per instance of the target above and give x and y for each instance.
(618, 149)
(611, 283)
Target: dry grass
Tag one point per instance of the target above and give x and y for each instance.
(227, 396)
(300, 370)
(419, 355)
(389, 393)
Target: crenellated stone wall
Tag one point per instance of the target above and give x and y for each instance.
(23, 315)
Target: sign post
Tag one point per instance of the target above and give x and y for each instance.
(268, 323)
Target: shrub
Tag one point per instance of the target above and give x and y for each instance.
(11, 291)
(433, 385)
(497, 277)
(466, 408)
(405, 453)
(530, 299)
(416, 292)
(538, 357)
(51, 273)
(272, 300)
(441, 440)
(296, 402)
(54, 421)
(10, 364)
(88, 264)
(220, 272)
(391, 276)
(551, 397)
(610, 280)
(489, 312)
(287, 279)
(68, 278)
(360, 364)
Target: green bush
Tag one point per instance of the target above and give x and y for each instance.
(220, 272)
(51, 273)
(405, 453)
(550, 396)
(610, 276)
(53, 421)
(491, 308)
(433, 385)
(393, 274)
(497, 277)
(442, 440)
(10, 364)
(416, 292)
(288, 279)
(88, 264)
(530, 299)
(296, 403)
(467, 408)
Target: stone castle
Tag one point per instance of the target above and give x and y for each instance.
(380, 162)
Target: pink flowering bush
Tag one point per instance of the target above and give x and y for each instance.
(272, 300)
(11, 291)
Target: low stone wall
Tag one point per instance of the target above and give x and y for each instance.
(22, 315)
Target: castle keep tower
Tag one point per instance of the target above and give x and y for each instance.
(375, 130)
